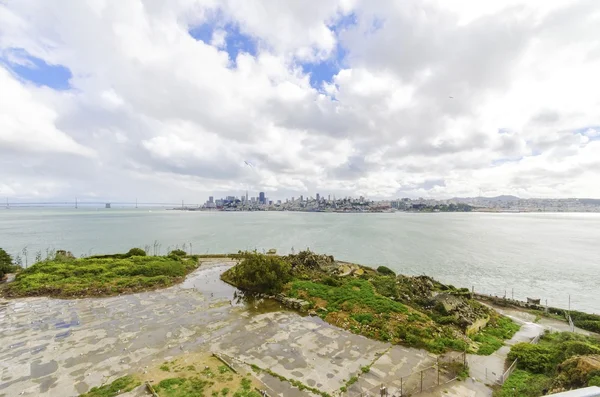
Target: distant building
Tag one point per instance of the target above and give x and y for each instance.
(261, 198)
(318, 197)
(301, 198)
(107, 205)
(211, 199)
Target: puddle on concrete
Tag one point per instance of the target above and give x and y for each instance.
(116, 335)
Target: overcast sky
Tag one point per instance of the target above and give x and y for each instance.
(168, 100)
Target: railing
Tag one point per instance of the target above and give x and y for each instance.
(571, 325)
(513, 365)
(445, 370)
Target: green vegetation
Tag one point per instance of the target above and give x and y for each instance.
(6, 264)
(65, 276)
(354, 292)
(492, 337)
(559, 361)
(259, 273)
(181, 387)
(415, 311)
(386, 271)
(523, 383)
(590, 322)
(121, 385)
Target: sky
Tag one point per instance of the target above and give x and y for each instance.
(179, 100)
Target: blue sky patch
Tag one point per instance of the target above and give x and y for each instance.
(235, 40)
(592, 132)
(323, 72)
(37, 71)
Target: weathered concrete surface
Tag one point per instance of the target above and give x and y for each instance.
(488, 369)
(548, 323)
(390, 367)
(468, 388)
(307, 349)
(52, 347)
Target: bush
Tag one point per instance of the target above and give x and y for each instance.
(260, 273)
(6, 264)
(178, 253)
(136, 252)
(386, 271)
(522, 383)
(385, 286)
(538, 359)
(589, 325)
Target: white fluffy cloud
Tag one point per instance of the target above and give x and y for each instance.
(433, 99)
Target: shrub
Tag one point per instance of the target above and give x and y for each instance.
(363, 318)
(385, 286)
(386, 271)
(525, 384)
(538, 359)
(136, 252)
(6, 264)
(260, 273)
(178, 253)
(594, 381)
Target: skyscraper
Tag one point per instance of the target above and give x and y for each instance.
(318, 197)
(261, 197)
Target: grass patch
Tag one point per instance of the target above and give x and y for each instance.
(492, 337)
(181, 387)
(525, 384)
(72, 278)
(566, 360)
(353, 292)
(118, 386)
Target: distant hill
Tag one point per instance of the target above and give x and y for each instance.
(492, 199)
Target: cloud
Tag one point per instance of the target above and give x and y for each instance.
(167, 100)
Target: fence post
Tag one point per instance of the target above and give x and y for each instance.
(438, 370)
(421, 380)
(401, 384)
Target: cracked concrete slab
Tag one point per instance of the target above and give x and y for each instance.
(54, 347)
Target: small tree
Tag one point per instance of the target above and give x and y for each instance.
(261, 273)
(6, 263)
(386, 271)
(177, 253)
(136, 252)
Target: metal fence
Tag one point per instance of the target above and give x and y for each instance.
(446, 369)
(513, 365)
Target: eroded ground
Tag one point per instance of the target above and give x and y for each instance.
(52, 347)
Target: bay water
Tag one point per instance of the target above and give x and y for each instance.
(552, 256)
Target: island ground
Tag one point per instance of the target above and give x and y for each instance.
(64, 347)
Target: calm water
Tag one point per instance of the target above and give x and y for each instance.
(548, 256)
